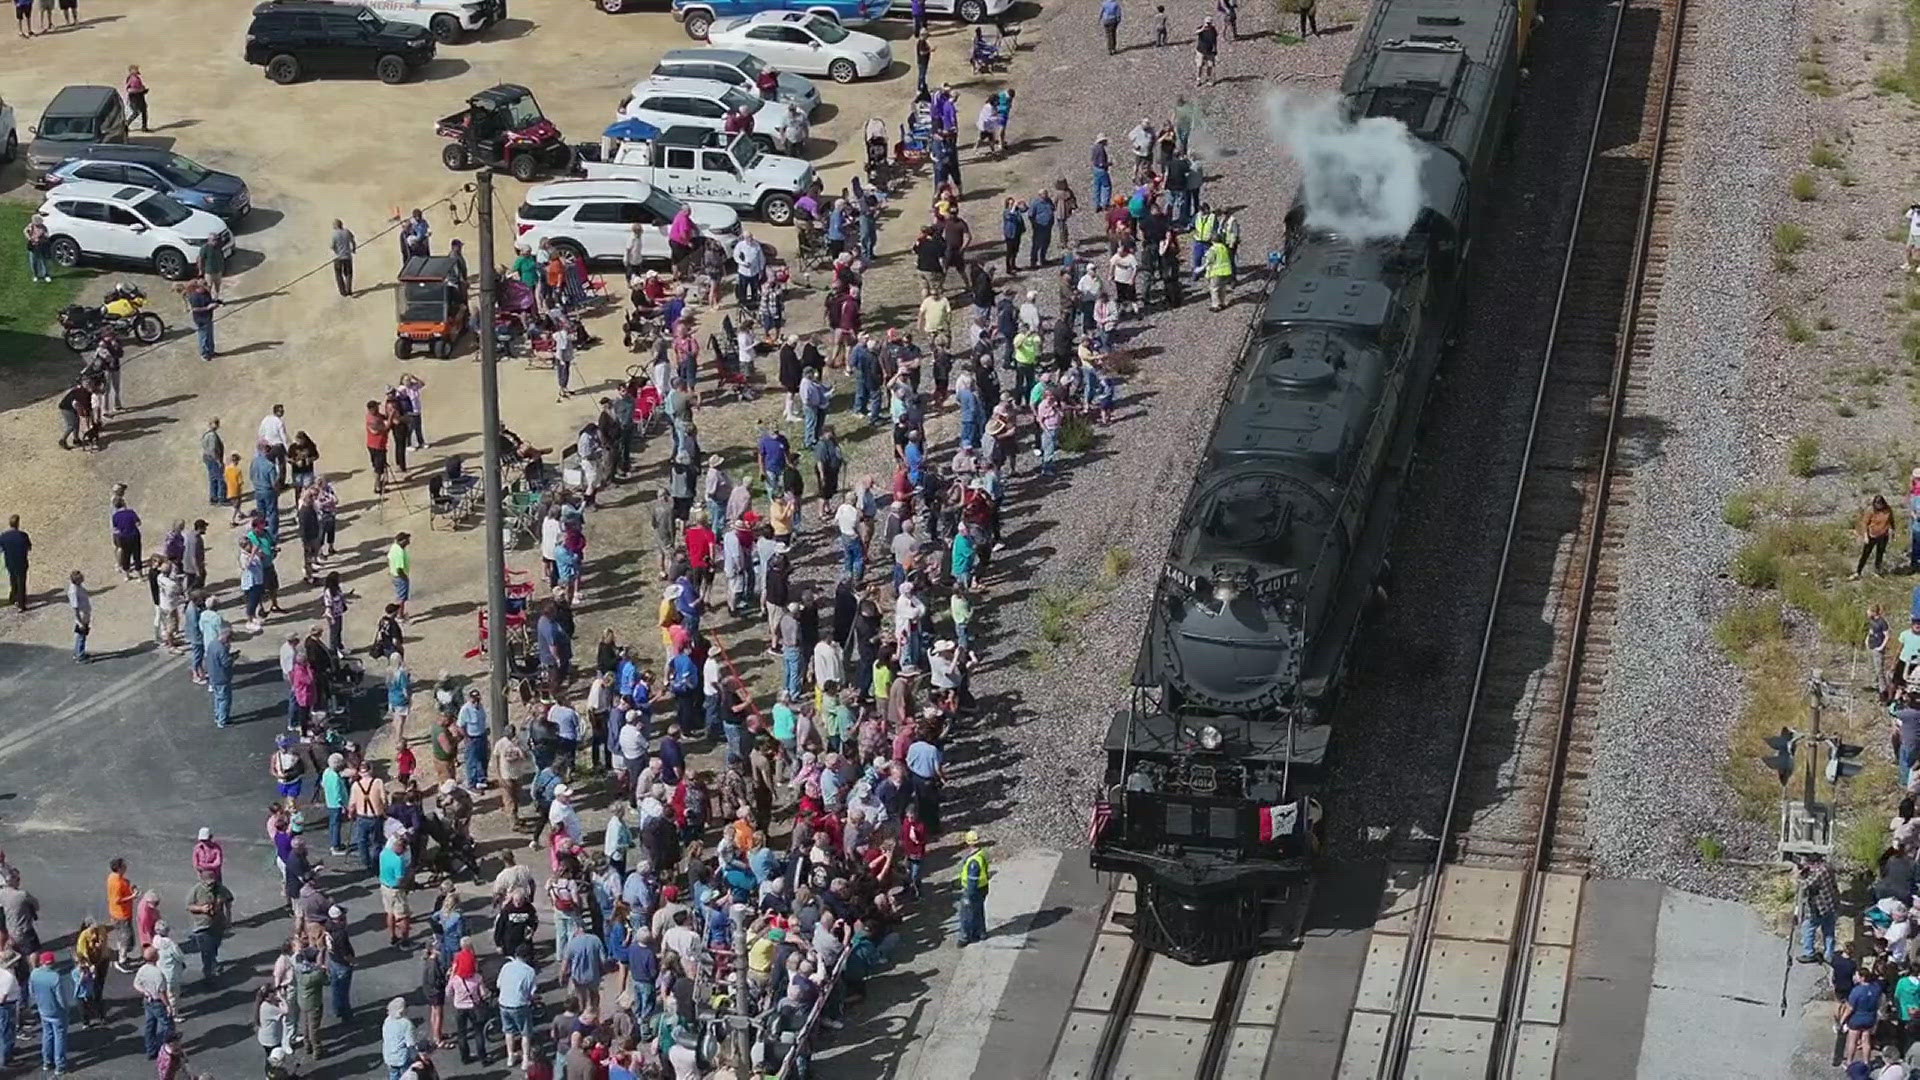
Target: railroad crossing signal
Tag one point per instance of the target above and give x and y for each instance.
(1842, 760)
(1781, 760)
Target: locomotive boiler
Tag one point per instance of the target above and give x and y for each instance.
(1210, 776)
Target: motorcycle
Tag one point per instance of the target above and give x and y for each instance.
(122, 312)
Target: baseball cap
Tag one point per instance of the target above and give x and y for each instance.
(973, 836)
(206, 833)
(335, 912)
(564, 791)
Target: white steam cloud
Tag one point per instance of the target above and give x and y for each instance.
(1362, 179)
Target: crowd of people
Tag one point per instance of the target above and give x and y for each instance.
(768, 818)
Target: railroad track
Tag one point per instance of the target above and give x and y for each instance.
(1137, 1016)
(1489, 932)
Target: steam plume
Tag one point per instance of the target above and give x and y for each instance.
(1362, 179)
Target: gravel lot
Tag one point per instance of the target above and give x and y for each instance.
(1716, 380)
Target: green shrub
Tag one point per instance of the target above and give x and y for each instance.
(1740, 510)
(1803, 457)
(1824, 157)
(1804, 187)
(1757, 565)
(1789, 238)
(1750, 627)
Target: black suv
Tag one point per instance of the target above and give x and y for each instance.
(292, 38)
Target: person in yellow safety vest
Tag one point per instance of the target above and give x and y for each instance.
(1226, 229)
(1203, 228)
(1219, 273)
(975, 875)
(1026, 361)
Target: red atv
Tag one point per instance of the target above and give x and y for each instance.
(505, 129)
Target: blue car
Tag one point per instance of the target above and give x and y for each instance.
(698, 15)
(188, 182)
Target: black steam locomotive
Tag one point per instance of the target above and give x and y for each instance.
(1211, 773)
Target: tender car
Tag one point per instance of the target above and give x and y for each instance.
(503, 128)
(596, 218)
(666, 103)
(972, 11)
(697, 16)
(189, 182)
(737, 69)
(448, 20)
(9, 138)
(77, 116)
(807, 43)
(292, 38)
(711, 167)
(91, 221)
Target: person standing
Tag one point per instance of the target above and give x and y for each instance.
(156, 997)
(213, 267)
(975, 876)
(396, 877)
(36, 241)
(400, 569)
(1819, 907)
(15, 544)
(473, 725)
(219, 665)
(1206, 46)
(922, 52)
(1110, 24)
(398, 1043)
(1102, 165)
(200, 305)
(343, 246)
(136, 87)
(51, 999)
(213, 456)
(82, 605)
(211, 906)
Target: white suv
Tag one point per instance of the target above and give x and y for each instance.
(666, 103)
(87, 219)
(596, 218)
(9, 138)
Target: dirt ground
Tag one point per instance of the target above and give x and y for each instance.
(358, 150)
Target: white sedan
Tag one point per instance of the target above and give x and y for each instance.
(806, 43)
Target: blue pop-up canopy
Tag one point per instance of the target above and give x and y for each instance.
(632, 131)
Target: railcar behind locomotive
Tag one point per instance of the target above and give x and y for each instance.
(1211, 772)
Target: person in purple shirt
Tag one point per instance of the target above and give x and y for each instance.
(672, 757)
(126, 538)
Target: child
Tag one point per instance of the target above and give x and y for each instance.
(233, 486)
(1160, 26)
(404, 763)
(333, 601)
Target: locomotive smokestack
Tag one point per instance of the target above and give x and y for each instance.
(1362, 180)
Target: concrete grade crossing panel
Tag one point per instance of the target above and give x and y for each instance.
(1079, 1042)
(1102, 980)
(1449, 1049)
(1477, 904)
(1160, 1049)
(1181, 991)
(1464, 979)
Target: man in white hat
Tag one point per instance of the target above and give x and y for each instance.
(562, 816)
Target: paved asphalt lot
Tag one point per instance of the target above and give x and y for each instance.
(120, 758)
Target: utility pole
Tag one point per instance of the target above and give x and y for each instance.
(743, 1019)
(490, 469)
(1816, 689)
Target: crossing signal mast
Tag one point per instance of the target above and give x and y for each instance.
(1806, 824)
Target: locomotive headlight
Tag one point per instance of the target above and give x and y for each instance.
(1210, 737)
(1225, 593)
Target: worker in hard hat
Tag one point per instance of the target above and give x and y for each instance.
(975, 875)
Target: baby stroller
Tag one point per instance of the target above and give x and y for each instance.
(726, 358)
(879, 167)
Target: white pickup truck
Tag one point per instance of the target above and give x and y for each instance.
(708, 166)
(450, 20)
